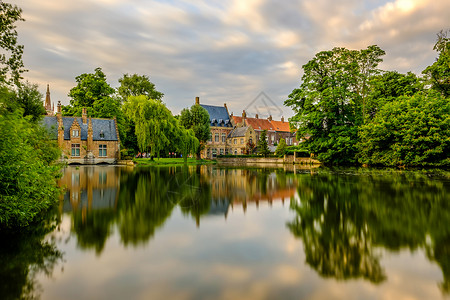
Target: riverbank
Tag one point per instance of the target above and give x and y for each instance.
(170, 161)
(263, 161)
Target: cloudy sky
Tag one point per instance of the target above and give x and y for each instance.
(222, 51)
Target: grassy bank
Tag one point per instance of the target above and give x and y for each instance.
(170, 161)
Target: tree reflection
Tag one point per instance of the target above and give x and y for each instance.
(23, 255)
(343, 218)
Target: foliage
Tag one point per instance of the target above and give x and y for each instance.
(411, 131)
(26, 97)
(92, 91)
(438, 74)
(263, 148)
(156, 128)
(250, 147)
(197, 119)
(331, 101)
(27, 177)
(386, 87)
(11, 64)
(281, 148)
(299, 150)
(137, 85)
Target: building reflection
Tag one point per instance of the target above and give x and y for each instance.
(90, 188)
(240, 187)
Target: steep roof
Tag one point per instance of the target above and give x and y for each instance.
(257, 124)
(218, 115)
(105, 126)
(281, 126)
(238, 132)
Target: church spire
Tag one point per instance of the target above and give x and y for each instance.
(48, 104)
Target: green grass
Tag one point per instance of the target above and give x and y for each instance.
(170, 161)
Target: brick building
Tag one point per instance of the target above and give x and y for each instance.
(84, 140)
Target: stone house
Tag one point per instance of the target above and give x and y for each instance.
(220, 125)
(84, 140)
(240, 139)
(275, 129)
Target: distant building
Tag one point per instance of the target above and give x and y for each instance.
(221, 126)
(84, 140)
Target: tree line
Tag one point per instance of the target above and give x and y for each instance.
(351, 112)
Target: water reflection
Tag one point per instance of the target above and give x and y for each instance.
(24, 255)
(190, 227)
(343, 218)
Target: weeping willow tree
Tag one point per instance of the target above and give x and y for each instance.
(156, 127)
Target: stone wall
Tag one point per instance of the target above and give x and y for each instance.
(288, 159)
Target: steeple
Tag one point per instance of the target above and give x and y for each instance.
(48, 104)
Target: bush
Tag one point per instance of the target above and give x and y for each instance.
(27, 176)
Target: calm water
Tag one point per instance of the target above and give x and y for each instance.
(231, 233)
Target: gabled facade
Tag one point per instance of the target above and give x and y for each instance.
(241, 140)
(85, 140)
(221, 126)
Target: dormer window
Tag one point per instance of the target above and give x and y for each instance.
(102, 134)
(75, 133)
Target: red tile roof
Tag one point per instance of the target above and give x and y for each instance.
(281, 126)
(257, 124)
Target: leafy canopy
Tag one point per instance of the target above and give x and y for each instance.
(330, 103)
(137, 85)
(11, 64)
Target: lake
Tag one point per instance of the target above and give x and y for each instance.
(210, 232)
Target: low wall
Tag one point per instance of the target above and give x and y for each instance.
(288, 159)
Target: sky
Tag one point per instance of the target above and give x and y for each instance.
(245, 53)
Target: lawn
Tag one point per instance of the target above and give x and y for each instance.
(170, 161)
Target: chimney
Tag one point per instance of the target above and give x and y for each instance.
(269, 118)
(197, 100)
(244, 114)
(282, 119)
(256, 116)
(58, 107)
(84, 116)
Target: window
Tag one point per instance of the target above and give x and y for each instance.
(102, 150)
(75, 133)
(221, 151)
(216, 137)
(242, 141)
(250, 141)
(102, 134)
(235, 152)
(224, 137)
(210, 138)
(75, 149)
(273, 138)
(214, 153)
(235, 141)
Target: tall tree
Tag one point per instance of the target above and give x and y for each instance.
(197, 119)
(30, 99)
(386, 87)
(330, 103)
(156, 127)
(92, 90)
(263, 148)
(281, 148)
(410, 131)
(137, 85)
(438, 74)
(11, 64)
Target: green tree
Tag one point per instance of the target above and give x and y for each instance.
(411, 131)
(93, 92)
(197, 119)
(137, 85)
(331, 101)
(11, 64)
(263, 148)
(27, 177)
(386, 87)
(155, 125)
(438, 74)
(281, 148)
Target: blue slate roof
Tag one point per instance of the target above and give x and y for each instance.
(238, 132)
(105, 126)
(218, 115)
